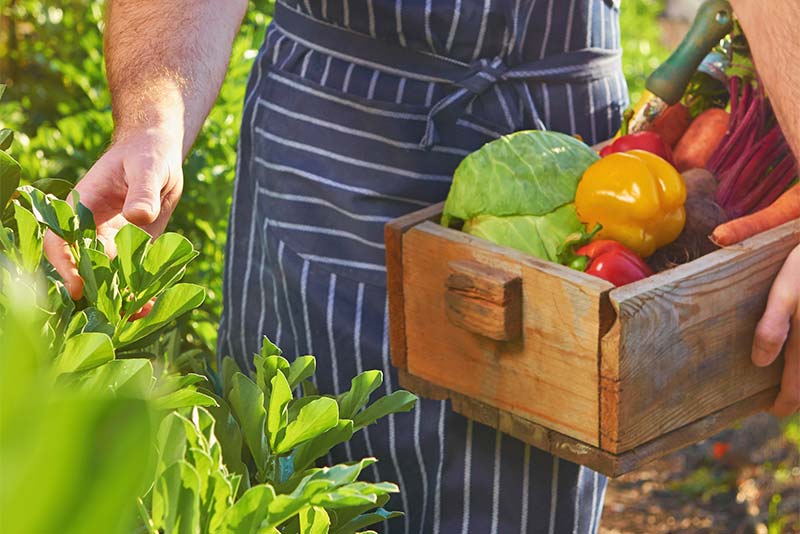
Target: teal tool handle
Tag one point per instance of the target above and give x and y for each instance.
(714, 21)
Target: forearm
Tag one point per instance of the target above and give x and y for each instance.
(166, 60)
(771, 30)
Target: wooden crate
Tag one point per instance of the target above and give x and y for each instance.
(608, 378)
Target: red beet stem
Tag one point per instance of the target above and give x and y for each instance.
(784, 174)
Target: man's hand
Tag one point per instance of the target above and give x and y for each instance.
(138, 180)
(779, 328)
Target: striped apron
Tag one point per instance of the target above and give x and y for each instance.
(357, 112)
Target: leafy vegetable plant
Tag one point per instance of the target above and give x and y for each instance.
(96, 436)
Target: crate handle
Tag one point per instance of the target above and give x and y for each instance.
(484, 300)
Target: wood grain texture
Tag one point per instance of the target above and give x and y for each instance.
(680, 348)
(393, 237)
(549, 376)
(484, 300)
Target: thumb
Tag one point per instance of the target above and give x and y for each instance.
(773, 328)
(143, 200)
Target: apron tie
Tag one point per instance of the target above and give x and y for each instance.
(468, 81)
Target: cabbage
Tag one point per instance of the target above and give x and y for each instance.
(517, 191)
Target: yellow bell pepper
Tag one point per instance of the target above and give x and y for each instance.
(637, 197)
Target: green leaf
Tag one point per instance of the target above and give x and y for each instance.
(300, 369)
(183, 398)
(361, 387)
(540, 236)
(306, 453)
(399, 401)
(176, 499)
(85, 218)
(247, 404)
(524, 173)
(171, 440)
(6, 138)
(54, 186)
(266, 369)
(132, 244)
(29, 239)
(314, 520)
(277, 417)
(84, 351)
(268, 348)
(229, 436)
(130, 378)
(10, 172)
(54, 213)
(314, 419)
(173, 303)
(164, 262)
(248, 514)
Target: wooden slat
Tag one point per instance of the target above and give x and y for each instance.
(573, 450)
(393, 237)
(550, 376)
(680, 348)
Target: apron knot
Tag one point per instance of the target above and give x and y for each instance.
(482, 75)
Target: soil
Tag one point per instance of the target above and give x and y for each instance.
(742, 481)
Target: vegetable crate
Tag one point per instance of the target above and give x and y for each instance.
(610, 378)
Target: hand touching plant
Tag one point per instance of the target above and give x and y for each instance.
(779, 328)
(138, 180)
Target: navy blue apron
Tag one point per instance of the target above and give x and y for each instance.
(357, 112)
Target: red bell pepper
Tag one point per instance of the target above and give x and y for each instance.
(613, 262)
(648, 141)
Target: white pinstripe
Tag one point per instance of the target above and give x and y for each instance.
(428, 34)
(319, 179)
(352, 161)
(526, 486)
(304, 68)
(548, 25)
(372, 83)
(515, 29)
(498, 460)
(429, 95)
(610, 112)
(467, 479)
(592, 525)
(288, 56)
(325, 72)
(398, 15)
(421, 463)
(589, 23)
(286, 295)
(308, 7)
(602, 25)
(263, 308)
(346, 10)
(568, 32)
(525, 29)
(360, 364)
(371, 15)
(332, 349)
(348, 73)
(389, 389)
(322, 202)
(453, 26)
(349, 103)
(573, 129)
(324, 9)
(326, 231)
(306, 321)
(476, 53)
(577, 509)
(504, 107)
(401, 87)
(437, 503)
(546, 100)
(248, 269)
(277, 49)
(553, 497)
(343, 262)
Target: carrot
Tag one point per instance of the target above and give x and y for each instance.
(783, 210)
(672, 123)
(701, 139)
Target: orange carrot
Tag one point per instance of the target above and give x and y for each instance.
(783, 210)
(701, 139)
(672, 123)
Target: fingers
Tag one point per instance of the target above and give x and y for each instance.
(143, 201)
(773, 328)
(788, 400)
(57, 252)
